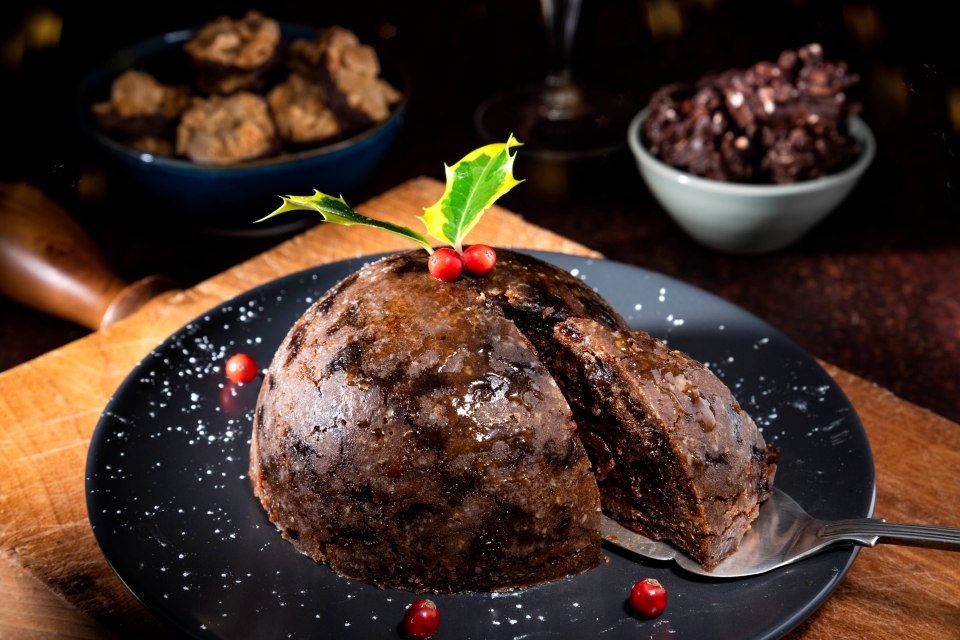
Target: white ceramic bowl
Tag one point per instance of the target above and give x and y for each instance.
(747, 218)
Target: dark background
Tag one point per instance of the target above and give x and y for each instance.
(874, 289)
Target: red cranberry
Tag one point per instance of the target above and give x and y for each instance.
(445, 265)
(479, 259)
(421, 620)
(230, 402)
(648, 598)
(242, 368)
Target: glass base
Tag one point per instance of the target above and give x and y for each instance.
(598, 129)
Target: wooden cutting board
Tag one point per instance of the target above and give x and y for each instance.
(54, 582)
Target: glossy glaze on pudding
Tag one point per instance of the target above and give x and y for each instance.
(419, 435)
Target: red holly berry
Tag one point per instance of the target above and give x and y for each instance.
(445, 265)
(241, 368)
(479, 259)
(648, 598)
(421, 620)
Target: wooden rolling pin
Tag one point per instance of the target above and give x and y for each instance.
(48, 262)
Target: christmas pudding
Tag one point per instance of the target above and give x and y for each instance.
(463, 436)
(433, 423)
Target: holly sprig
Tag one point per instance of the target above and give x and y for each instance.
(473, 185)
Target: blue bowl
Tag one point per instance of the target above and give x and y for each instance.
(230, 197)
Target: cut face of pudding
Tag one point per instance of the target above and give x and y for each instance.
(676, 457)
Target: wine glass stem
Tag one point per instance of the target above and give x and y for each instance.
(561, 99)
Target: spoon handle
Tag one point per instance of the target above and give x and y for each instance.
(872, 531)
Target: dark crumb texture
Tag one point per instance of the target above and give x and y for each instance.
(776, 122)
(416, 435)
(676, 456)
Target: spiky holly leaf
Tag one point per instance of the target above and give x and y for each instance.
(337, 211)
(473, 184)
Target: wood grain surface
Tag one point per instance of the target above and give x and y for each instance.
(55, 583)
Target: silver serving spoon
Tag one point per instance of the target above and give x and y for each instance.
(782, 534)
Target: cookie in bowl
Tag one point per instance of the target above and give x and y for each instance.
(142, 111)
(226, 130)
(232, 55)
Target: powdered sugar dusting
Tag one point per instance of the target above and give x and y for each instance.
(174, 510)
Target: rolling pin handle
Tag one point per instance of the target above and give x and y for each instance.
(49, 263)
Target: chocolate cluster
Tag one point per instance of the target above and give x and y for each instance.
(775, 122)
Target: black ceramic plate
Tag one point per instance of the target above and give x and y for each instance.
(172, 509)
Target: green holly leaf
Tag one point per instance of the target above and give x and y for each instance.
(337, 211)
(473, 185)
